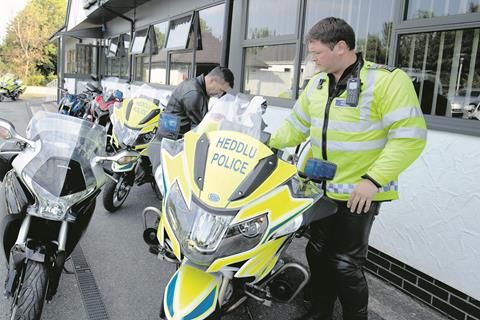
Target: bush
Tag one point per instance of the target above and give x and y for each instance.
(36, 80)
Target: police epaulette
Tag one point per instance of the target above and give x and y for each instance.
(382, 66)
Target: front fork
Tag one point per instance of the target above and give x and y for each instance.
(28, 249)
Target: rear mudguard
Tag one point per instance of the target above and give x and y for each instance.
(191, 293)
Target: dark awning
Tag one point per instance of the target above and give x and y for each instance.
(100, 15)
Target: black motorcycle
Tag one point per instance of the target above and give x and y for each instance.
(50, 183)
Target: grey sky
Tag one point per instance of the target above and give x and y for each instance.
(9, 10)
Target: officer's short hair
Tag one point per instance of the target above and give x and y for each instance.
(222, 75)
(330, 31)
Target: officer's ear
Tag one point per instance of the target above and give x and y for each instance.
(341, 47)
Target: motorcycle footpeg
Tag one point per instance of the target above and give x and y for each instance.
(153, 249)
(259, 294)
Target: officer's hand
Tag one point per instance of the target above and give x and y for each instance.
(362, 196)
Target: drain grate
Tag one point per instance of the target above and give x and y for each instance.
(92, 300)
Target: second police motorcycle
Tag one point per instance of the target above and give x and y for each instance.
(134, 124)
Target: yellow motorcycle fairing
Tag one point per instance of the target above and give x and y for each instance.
(271, 197)
(137, 114)
(191, 293)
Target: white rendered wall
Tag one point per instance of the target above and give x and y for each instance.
(435, 226)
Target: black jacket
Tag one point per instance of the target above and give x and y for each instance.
(189, 101)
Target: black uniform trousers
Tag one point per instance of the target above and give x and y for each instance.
(336, 254)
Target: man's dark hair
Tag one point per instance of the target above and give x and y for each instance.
(330, 31)
(222, 74)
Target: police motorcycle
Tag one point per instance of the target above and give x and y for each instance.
(51, 179)
(134, 122)
(10, 87)
(231, 208)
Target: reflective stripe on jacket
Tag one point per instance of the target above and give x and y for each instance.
(379, 137)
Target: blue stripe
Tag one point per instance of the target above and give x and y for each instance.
(202, 307)
(170, 293)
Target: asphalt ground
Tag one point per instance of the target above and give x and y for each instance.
(131, 280)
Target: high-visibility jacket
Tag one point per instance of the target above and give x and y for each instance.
(380, 137)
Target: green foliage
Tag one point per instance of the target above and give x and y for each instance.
(36, 79)
(26, 50)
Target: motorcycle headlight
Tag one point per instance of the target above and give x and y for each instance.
(55, 208)
(195, 228)
(205, 236)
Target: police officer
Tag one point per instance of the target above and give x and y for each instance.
(190, 98)
(365, 118)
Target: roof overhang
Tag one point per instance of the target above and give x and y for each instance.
(100, 12)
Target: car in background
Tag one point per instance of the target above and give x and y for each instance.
(464, 102)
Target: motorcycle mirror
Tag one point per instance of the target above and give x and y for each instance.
(7, 132)
(123, 157)
(319, 170)
(6, 129)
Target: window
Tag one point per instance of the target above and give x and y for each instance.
(113, 47)
(141, 68)
(268, 70)
(70, 61)
(370, 19)
(139, 41)
(82, 60)
(158, 72)
(86, 57)
(445, 70)
(209, 51)
(422, 9)
(178, 33)
(268, 19)
(117, 56)
(180, 67)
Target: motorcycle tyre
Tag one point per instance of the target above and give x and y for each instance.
(109, 193)
(28, 304)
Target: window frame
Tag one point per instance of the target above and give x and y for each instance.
(142, 51)
(296, 39)
(436, 24)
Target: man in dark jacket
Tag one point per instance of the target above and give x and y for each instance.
(190, 98)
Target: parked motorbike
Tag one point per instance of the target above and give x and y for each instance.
(77, 105)
(51, 179)
(100, 110)
(134, 122)
(10, 87)
(231, 208)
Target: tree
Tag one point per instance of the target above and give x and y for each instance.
(26, 49)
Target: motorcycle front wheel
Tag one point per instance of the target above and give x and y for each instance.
(115, 193)
(28, 302)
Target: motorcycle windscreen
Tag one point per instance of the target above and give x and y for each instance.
(65, 148)
(230, 147)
